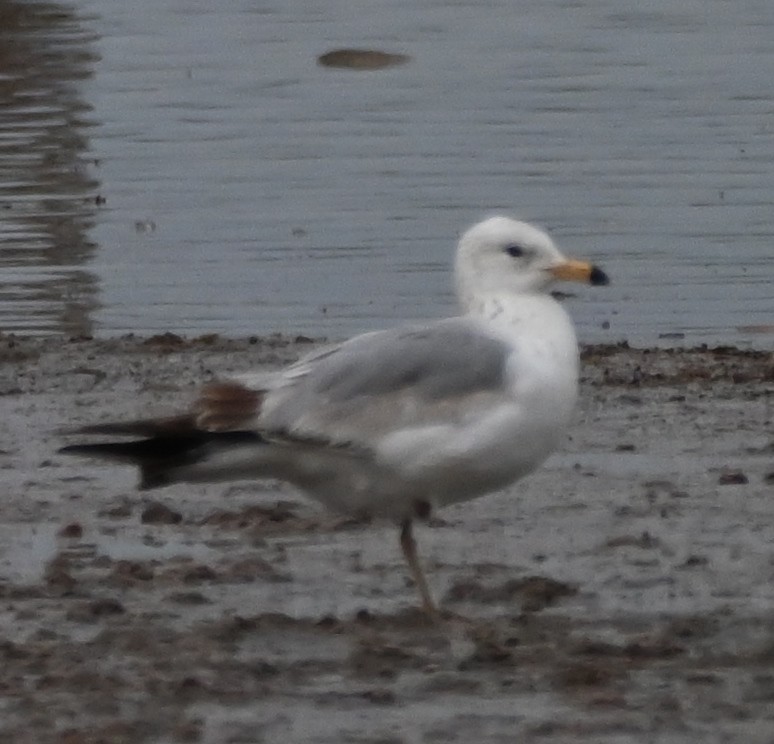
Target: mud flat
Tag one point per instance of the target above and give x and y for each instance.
(625, 593)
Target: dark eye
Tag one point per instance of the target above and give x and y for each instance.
(515, 250)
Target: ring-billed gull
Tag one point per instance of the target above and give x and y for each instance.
(395, 423)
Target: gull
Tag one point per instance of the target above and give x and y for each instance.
(397, 423)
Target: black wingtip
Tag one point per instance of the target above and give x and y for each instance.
(598, 277)
(159, 458)
(154, 473)
(110, 450)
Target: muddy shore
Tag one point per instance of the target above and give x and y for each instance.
(624, 593)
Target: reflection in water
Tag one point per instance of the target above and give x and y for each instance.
(47, 195)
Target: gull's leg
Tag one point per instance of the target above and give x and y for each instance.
(409, 547)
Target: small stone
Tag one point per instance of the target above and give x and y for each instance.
(158, 513)
(732, 477)
(209, 339)
(57, 574)
(694, 560)
(327, 621)
(165, 339)
(88, 612)
(101, 607)
(129, 572)
(188, 598)
(644, 540)
(122, 511)
(199, 573)
(189, 683)
(380, 696)
(364, 616)
(361, 59)
(71, 531)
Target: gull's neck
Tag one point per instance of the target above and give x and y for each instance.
(535, 318)
(511, 308)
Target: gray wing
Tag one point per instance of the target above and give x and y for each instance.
(379, 382)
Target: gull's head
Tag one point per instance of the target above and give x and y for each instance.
(502, 254)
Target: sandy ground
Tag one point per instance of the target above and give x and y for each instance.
(625, 593)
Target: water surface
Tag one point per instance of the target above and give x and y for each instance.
(248, 190)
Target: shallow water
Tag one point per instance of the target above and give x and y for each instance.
(188, 166)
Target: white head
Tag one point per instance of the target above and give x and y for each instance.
(504, 255)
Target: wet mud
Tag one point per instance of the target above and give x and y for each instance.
(624, 593)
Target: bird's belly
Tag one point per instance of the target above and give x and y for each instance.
(444, 465)
(499, 456)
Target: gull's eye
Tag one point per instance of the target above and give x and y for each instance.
(516, 251)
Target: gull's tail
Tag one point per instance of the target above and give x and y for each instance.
(215, 440)
(169, 451)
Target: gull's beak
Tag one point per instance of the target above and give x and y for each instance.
(579, 271)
